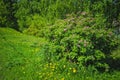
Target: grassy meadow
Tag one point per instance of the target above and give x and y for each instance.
(21, 58)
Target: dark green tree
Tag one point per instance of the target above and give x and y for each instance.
(3, 14)
(11, 8)
(7, 12)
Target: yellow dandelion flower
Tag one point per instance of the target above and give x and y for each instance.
(74, 70)
(64, 66)
(63, 79)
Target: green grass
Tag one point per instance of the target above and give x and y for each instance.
(18, 55)
(21, 59)
(116, 53)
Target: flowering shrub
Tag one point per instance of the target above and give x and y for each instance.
(82, 40)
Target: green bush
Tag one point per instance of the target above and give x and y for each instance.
(36, 25)
(82, 40)
(3, 13)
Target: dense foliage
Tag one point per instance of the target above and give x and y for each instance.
(3, 14)
(81, 40)
(22, 57)
(51, 10)
(80, 33)
(7, 14)
(18, 13)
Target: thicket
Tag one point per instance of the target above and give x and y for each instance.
(7, 14)
(50, 10)
(20, 13)
(82, 32)
(80, 39)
